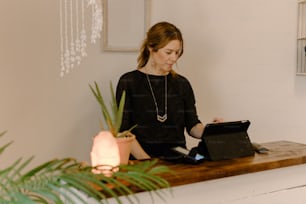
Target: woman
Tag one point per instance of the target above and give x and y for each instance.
(160, 101)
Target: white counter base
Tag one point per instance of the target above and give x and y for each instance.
(278, 186)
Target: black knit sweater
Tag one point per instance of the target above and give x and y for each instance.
(156, 137)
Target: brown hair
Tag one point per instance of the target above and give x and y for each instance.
(158, 36)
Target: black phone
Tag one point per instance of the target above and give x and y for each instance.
(190, 156)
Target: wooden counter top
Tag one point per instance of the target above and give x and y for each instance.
(281, 154)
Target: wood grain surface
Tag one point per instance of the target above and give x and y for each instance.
(281, 154)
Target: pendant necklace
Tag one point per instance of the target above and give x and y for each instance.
(159, 117)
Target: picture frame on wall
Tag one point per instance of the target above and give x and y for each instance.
(301, 40)
(125, 24)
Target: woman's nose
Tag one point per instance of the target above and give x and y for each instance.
(174, 57)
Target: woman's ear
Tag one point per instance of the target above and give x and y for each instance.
(150, 49)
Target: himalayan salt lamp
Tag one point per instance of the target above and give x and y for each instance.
(105, 153)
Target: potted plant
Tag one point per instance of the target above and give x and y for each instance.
(113, 119)
(66, 180)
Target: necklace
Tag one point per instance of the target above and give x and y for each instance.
(159, 117)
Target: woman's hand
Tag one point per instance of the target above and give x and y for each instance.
(218, 120)
(197, 130)
(137, 151)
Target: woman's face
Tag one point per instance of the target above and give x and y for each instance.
(166, 57)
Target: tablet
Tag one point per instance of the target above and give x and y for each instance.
(227, 140)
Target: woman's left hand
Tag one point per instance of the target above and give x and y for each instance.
(218, 120)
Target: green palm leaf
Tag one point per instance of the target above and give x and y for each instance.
(65, 180)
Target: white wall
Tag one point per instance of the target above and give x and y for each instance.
(240, 56)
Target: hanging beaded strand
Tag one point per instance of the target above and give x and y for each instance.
(73, 43)
(77, 40)
(72, 46)
(62, 40)
(97, 23)
(66, 40)
(83, 33)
